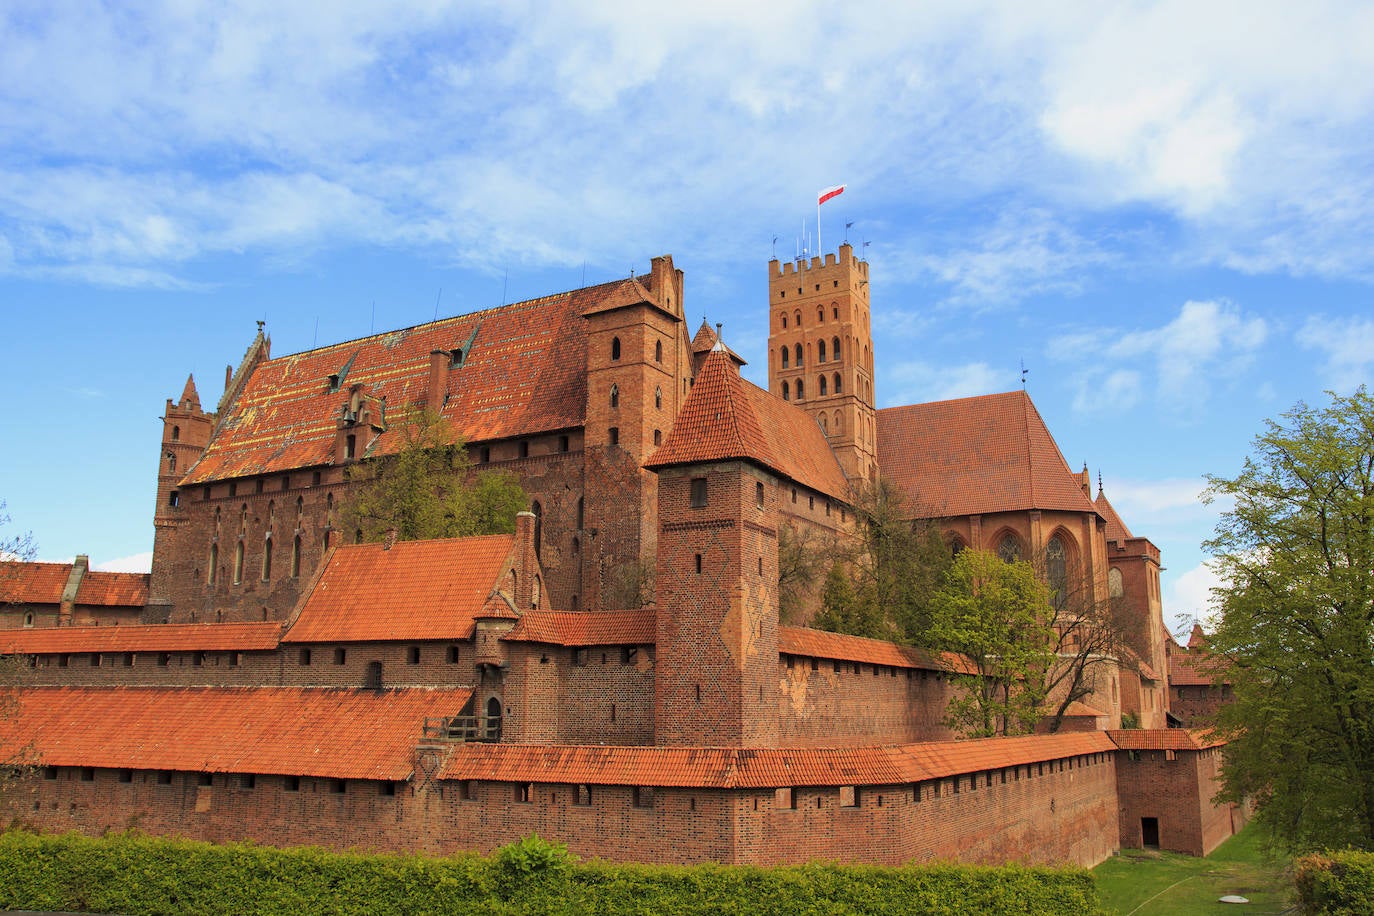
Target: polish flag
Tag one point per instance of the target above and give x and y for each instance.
(829, 193)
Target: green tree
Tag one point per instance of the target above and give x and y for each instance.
(427, 489)
(996, 614)
(1296, 551)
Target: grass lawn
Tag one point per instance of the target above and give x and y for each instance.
(1150, 883)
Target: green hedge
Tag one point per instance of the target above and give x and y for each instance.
(1340, 883)
(136, 874)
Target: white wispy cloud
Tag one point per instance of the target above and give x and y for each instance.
(1347, 346)
(918, 381)
(135, 563)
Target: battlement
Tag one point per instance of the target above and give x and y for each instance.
(827, 264)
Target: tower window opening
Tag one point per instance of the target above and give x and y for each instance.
(176, 433)
(835, 347)
(615, 396)
(613, 435)
(820, 352)
(797, 352)
(800, 389)
(839, 384)
(784, 317)
(698, 499)
(786, 358)
(786, 391)
(658, 351)
(615, 348)
(698, 563)
(658, 398)
(822, 382)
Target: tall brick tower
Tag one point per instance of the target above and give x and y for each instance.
(185, 433)
(716, 677)
(820, 351)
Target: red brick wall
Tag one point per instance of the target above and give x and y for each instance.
(1175, 788)
(1197, 705)
(824, 702)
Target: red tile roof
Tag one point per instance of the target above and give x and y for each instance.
(975, 456)
(34, 583)
(113, 589)
(841, 647)
(759, 768)
(180, 637)
(415, 590)
(1165, 739)
(726, 417)
(1116, 528)
(285, 417)
(1195, 669)
(304, 731)
(585, 628)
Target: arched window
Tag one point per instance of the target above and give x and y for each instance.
(267, 558)
(786, 356)
(581, 515)
(300, 510)
(822, 380)
(820, 352)
(493, 719)
(538, 511)
(296, 557)
(825, 424)
(658, 398)
(213, 575)
(956, 546)
(1114, 586)
(658, 437)
(784, 320)
(238, 563)
(615, 396)
(839, 384)
(171, 462)
(820, 313)
(797, 352)
(658, 351)
(176, 433)
(801, 391)
(839, 422)
(615, 348)
(786, 392)
(835, 347)
(1056, 571)
(216, 521)
(796, 316)
(1009, 549)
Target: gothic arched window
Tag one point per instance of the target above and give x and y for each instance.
(835, 347)
(658, 398)
(1114, 586)
(786, 392)
(820, 352)
(800, 389)
(658, 351)
(1009, 549)
(786, 357)
(615, 348)
(1056, 571)
(615, 396)
(797, 352)
(822, 386)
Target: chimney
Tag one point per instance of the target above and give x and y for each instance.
(526, 564)
(390, 541)
(79, 569)
(439, 361)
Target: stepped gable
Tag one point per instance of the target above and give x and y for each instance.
(976, 456)
(759, 768)
(523, 371)
(414, 590)
(725, 418)
(814, 643)
(334, 732)
(164, 637)
(1116, 528)
(585, 628)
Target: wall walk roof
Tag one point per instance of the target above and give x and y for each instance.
(164, 637)
(523, 371)
(1165, 739)
(975, 456)
(759, 768)
(725, 417)
(302, 731)
(415, 590)
(842, 647)
(585, 628)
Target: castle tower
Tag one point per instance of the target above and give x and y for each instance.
(820, 351)
(186, 431)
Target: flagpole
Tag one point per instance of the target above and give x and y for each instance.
(820, 249)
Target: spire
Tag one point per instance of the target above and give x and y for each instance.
(190, 398)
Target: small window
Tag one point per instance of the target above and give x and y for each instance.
(579, 657)
(338, 786)
(613, 435)
(198, 659)
(658, 437)
(350, 447)
(248, 781)
(615, 348)
(524, 791)
(643, 796)
(88, 774)
(413, 655)
(386, 788)
(28, 619)
(164, 778)
(174, 499)
(95, 659)
(205, 779)
(452, 655)
(484, 455)
(164, 659)
(658, 398)
(467, 790)
(698, 499)
(582, 795)
(849, 797)
(698, 563)
(629, 655)
(126, 776)
(49, 773)
(305, 656)
(63, 660)
(291, 784)
(524, 449)
(340, 655)
(562, 443)
(758, 494)
(785, 799)
(801, 390)
(786, 391)
(786, 358)
(128, 659)
(658, 351)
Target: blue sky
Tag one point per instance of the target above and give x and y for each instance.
(1164, 209)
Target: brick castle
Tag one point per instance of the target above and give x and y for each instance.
(616, 674)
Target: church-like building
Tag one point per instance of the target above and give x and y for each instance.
(616, 674)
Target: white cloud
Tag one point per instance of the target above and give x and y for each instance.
(1156, 496)
(917, 382)
(1348, 346)
(1191, 594)
(136, 563)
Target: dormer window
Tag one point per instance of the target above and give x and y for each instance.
(457, 357)
(334, 380)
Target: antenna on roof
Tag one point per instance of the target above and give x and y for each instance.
(1024, 372)
(847, 226)
(775, 248)
(436, 303)
(314, 340)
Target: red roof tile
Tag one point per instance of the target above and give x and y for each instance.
(113, 589)
(726, 417)
(585, 628)
(706, 767)
(1165, 739)
(824, 644)
(34, 583)
(975, 456)
(285, 416)
(415, 590)
(304, 731)
(1116, 528)
(179, 637)
(1195, 669)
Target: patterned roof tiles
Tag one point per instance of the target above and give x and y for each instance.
(113, 589)
(725, 417)
(1165, 739)
(974, 456)
(34, 583)
(1116, 528)
(824, 644)
(1196, 669)
(523, 371)
(167, 637)
(341, 733)
(762, 768)
(415, 590)
(585, 628)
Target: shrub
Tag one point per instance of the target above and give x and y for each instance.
(1339, 883)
